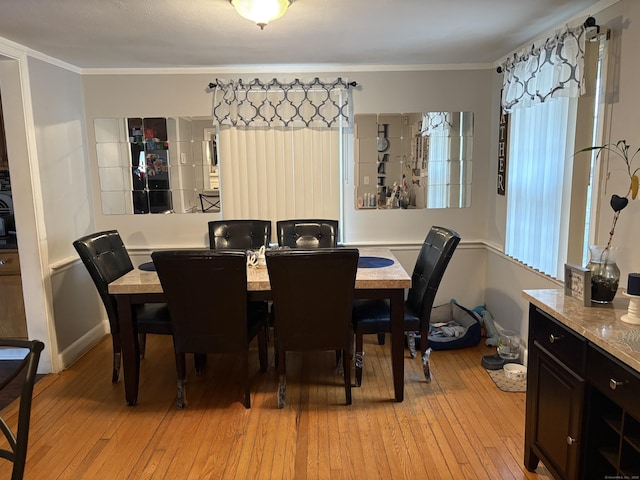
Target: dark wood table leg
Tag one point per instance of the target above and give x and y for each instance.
(130, 350)
(397, 342)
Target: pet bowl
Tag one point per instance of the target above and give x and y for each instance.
(515, 371)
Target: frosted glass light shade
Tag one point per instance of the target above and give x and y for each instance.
(261, 11)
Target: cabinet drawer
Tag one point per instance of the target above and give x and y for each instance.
(560, 341)
(617, 381)
(9, 263)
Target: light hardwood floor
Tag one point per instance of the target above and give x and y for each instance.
(461, 426)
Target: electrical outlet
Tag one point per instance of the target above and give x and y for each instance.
(183, 158)
(366, 180)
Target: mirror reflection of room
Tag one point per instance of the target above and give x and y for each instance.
(157, 165)
(413, 160)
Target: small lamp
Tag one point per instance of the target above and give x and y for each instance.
(261, 11)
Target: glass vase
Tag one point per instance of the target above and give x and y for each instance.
(605, 274)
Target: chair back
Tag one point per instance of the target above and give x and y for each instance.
(312, 293)
(239, 234)
(436, 251)
(307, 233)
(27, 369)
(106, 258)
(207, 296)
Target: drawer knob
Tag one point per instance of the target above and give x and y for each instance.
(2, 262)
(555, 338)
(613, 384)
(570, 440)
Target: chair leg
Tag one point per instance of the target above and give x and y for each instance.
(117, 356)
(339, 362)
(200, 362)
(182, 375)
(359, 360)
(426, 355)
(347, 378)
(142, 341)
(282, 379)
(245, 375)
(263, 352)
(411, 343)
(381, 339)
(276, 352)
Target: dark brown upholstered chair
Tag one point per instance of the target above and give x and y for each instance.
(307, 233)
(239, 234)
(373, 316)
(26, 372)
(106, 258)
(207, 295)
(312, 294)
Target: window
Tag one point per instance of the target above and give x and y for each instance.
(548, 191)
(540, 162)
(276, 173)
(281, 147)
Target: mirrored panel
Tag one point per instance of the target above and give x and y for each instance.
(157, 165)
(413, 160)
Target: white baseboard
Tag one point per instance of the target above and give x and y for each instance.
(81, 346)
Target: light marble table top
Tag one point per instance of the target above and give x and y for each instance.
(393, 276)
(600, 324)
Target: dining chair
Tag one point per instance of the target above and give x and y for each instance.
(373, 316)
(312, 293)
(239, 234)
(207, 295)
(307, 233)
(106, 258)
(25, 372)
(310, 234)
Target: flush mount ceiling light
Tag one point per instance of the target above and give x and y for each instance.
(261, 11)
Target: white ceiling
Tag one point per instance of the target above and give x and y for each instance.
(208, 33)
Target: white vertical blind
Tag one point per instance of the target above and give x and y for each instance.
(540, 163)
(277, 173)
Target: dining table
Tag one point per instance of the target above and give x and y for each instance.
(380, 276)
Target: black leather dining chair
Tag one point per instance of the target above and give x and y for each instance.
(325, 280)
(239, 234)
(25, 371)
(373, 316)
(207, 295)
(307, 233)
(106, 259)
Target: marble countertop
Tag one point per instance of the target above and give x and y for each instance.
(599, 324)
(393, 276)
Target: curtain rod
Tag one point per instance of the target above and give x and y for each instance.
(590, 22)
(349, 84)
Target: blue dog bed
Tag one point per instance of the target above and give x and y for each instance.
(452, 326)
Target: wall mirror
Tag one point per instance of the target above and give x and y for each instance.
(413, 160)
(157, 165)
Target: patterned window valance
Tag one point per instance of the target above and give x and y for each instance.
(552, 70)
(259, 104)
(436, 123)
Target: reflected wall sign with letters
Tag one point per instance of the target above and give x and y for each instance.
(413, 160)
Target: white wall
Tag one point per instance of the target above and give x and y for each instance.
(66, 204)
(380, 92)
(623, 104)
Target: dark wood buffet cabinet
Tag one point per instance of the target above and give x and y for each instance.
(583, 389)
